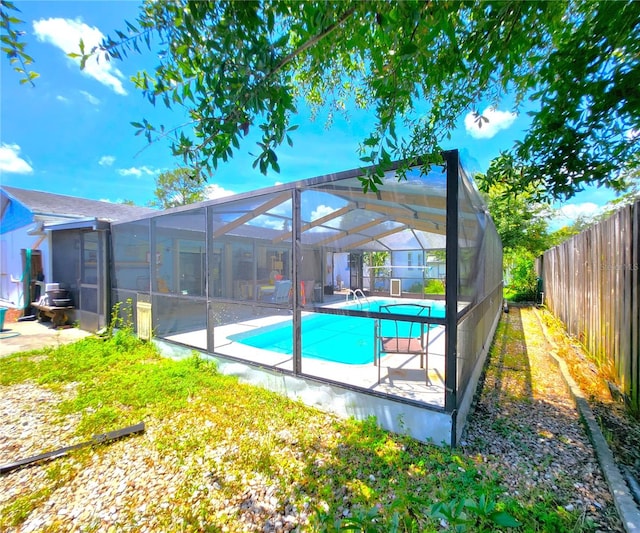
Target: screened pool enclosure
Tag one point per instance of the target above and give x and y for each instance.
(381, 303)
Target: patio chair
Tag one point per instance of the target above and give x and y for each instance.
(307, 291)
(400, 336)
(281, 291)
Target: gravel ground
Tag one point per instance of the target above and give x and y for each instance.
(525, 426)
(119, 487)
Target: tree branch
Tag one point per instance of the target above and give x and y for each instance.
(311, 42)
(284, 62)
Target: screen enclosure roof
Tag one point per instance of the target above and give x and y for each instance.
(406, 212)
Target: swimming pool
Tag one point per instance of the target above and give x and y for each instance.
(336, 338)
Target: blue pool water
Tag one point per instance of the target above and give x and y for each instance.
(337, 338)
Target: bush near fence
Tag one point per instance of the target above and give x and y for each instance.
(591, 283)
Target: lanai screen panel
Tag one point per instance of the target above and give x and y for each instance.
(130, 268)
(130, 242)
(339, 215)
(403, 217)
(250, 273)
(251, 241)
(179, 274)
(480, 281)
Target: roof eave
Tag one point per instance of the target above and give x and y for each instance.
(94, 224)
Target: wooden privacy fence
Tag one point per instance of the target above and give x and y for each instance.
(591, 283)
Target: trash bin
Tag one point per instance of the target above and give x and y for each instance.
(3, 311)
(539, 291)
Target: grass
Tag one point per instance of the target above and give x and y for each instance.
(347, 474)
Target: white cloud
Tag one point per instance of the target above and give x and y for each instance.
(62, 99)
(214, 191)
(321, 211)
(264, 221)
(66, 34)
(90, 98)
(497, 120)
(137, 171)
(106, 160)
(633, 134)
(11, 162)
(569, 213)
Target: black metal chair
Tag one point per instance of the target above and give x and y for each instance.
(409, 338)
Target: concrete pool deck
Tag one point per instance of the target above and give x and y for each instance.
(400, 374)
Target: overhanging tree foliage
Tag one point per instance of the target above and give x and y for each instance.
(587, 129)
(12, 45)
(419, 66)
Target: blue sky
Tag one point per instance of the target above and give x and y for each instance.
(71, 133)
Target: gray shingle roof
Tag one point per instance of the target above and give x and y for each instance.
(45, 203)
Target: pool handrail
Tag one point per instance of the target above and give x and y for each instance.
(356, 298)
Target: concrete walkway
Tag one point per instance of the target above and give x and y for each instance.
(33, 335)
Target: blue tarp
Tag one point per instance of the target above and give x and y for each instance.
(15, 216)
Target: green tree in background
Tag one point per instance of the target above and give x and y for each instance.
(521, 222)
(178, 187)
(523, 225)
(563, 234)
(631, 194)
(519, 219)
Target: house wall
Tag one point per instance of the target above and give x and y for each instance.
(11, 268)
(340, 270)
(414, 269)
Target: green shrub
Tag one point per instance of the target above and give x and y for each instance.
(434, 286)
(521, 275)
(415, 287)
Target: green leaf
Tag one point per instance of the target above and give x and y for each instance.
(504, 519)
(408, 49)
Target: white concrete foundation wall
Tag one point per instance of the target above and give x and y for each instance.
(421, 423)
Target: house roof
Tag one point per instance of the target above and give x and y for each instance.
(63, 206)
